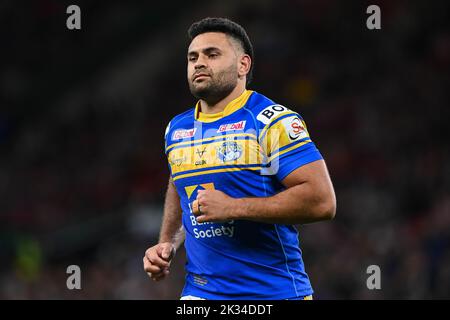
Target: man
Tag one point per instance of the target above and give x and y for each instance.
(244, 172)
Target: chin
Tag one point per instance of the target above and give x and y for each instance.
(200, 91)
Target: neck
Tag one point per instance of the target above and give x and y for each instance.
(220, 106)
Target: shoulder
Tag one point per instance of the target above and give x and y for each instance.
(181, 120)
(266, 111)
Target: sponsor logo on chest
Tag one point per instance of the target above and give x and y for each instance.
(232, 126)
(182, 134)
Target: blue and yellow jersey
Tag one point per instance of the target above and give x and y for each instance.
(245, 151)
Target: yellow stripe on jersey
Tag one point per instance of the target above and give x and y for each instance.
(214, 154)
(277, 154)
(219, 137)
(202, 172)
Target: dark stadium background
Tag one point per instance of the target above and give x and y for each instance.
(82, 117)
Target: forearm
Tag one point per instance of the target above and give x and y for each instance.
(171, 228)
(300, 204)
(179, 237)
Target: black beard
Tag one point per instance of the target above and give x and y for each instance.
(219, 87)
(213, 93)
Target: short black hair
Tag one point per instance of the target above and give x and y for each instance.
(228, 27)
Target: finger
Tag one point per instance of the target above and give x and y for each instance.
(153, 269)
(156, 260)
(160, 276)
(148, 267)
(195, 209)
(167, 251)
(202, 218)
(154, 274)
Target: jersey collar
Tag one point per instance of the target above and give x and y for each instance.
(231, 107)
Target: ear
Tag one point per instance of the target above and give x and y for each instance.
(245, 62)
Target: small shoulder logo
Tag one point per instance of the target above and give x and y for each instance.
(270, 112)
(295, 128)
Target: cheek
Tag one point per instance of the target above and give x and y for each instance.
(228, 70)
(189, 71)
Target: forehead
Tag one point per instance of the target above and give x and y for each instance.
(209, 39)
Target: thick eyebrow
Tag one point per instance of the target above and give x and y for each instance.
(206, 51)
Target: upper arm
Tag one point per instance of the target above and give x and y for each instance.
(315, 173)
(171, 188)
(315, 178)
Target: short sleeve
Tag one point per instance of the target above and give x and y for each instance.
(287, 144)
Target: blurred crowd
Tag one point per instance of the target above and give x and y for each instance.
(82, 168)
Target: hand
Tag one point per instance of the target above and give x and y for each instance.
(214, 206)
(157, 260)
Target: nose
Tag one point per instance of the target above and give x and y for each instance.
(200, 63)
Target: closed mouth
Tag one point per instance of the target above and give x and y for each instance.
(200, 75)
